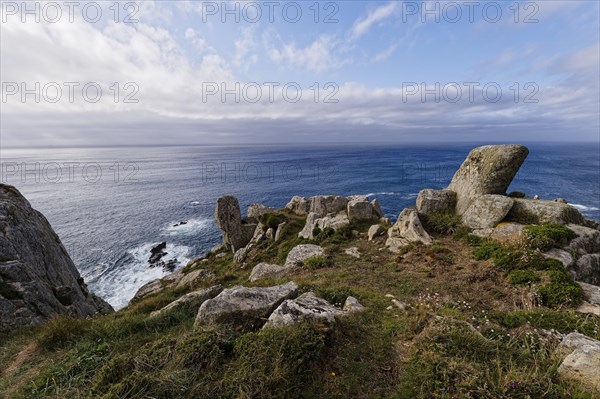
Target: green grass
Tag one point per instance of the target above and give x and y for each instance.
(318, 262)
(519, 277)
(442, 223)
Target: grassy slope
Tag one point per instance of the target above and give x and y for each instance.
(467, 332)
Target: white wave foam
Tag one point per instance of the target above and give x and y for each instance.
(195, 203)
(191, 227)
(584, 208)
(382, 193)
(118, 286)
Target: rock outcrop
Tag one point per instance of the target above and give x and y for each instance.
(266, 270)
(431, 201)
(242, 305)
(406, 230)
(191, 301)
(38, 279)
(236, 232)
(582, 361)
(300, 253)
(528, 211)
(487, 211)
(487, 170)
(306, 307)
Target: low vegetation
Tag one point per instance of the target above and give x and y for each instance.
(472, 326)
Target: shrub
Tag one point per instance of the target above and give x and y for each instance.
(523, 277)
(547, 236)
(318, 262)
(62, 331)
(272, 219)
(335, 295)
(561, 291)
(442, 223)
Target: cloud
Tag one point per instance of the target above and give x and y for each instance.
(362, 26)
(317, 56)
(245, 48)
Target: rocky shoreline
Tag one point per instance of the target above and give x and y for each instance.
(38, 279)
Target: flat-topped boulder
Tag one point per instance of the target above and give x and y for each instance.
(531, 211)
(266, 270)
(430, 201)
(190, 301)
(322, 205)
(300, 253)
(486, 170)
(38, 279)
(306, 307)
(242, 305)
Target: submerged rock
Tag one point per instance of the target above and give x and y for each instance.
(38, 279)
(487, 170)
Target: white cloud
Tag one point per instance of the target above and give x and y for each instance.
(363, 25)
(316, 57)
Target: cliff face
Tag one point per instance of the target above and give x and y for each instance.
(37, 277)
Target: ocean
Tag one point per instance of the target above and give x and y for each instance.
(110, 206)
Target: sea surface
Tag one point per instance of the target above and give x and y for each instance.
(110, 206)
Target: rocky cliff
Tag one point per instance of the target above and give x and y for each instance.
(37, 277)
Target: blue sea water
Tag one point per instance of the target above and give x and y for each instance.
(111, 205)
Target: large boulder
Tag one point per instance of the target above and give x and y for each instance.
(431, 201)
(487, 170)
(300, 253)
(255, 211)
(587, 269)
(591, 293)
(375, 231)
(407, 229)
(582, 361)
(299, 205)
(507, 233)
(243, 306)
(333, 221)
(487, 211)
(586, 242)
(38, 279)
(322, 205)
(191, 301)
(266, 270)
(531, 211)
(236, 233)
(361, 210)
(306, 307)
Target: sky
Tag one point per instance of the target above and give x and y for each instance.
(246, 72)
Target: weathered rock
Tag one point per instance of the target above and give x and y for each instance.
(591, 292)
(270, 234)
(587, 269)
(38, 279)
(265, 270)
(588, 308)
(191, 301)
(322, 205)
(150, 288)
(306, 307)
(375, 231)
(301, 253)
(487, 170)
(431, 201)
(229, 220)
(582, 362)
(561, 255)
(260, 233)
(352, 305)
(487, 211)
(194, 278)
(299, 205)
(279, 231)
(333, 221)
(527, 211)
(377, 208)
(353, 251)
(242, 305)
(360, 210)
(407, 229)
(516, 194)
(508, 233)
(255, 211)
(586, 242)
